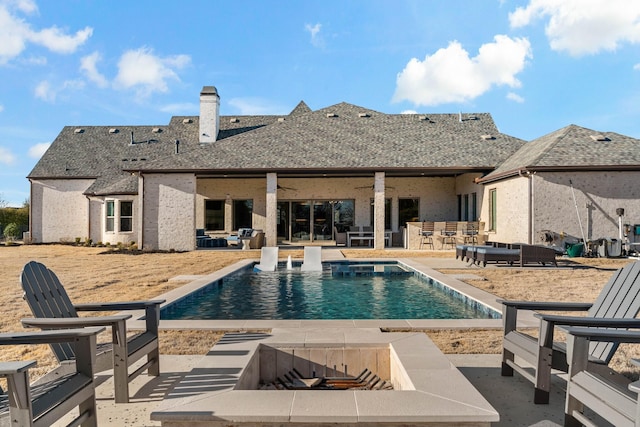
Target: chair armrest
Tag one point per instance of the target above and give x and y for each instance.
(73, 322)
(547, 305)
(118, 306)
(48, 337)
(12, 368)
(606, 335)
(589, 321)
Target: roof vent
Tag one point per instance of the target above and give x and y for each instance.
(332, 115)
(599, 137)
(113, 130)
(487, 137)
(78, 130)
(185, 121)
(423, 118)
(157, 130)
(281, 119)
(234, 120)
(364, 115)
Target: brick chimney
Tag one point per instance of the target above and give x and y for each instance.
(209, 114)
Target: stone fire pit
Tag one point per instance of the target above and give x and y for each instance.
(227, 386)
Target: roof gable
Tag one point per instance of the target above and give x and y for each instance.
(572, 147)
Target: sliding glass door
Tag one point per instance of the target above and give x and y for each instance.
(313, 220)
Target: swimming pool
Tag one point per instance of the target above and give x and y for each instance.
(343, 290)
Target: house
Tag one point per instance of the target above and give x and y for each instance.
(299, 177)
(572, 184)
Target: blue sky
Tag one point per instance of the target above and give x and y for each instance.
(535, 65)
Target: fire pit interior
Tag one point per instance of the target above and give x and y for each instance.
(318, 368)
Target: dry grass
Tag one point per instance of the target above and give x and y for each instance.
(92, 274)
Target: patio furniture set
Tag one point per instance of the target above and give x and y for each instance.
(510, 253)
(246, 238)
(449, 233)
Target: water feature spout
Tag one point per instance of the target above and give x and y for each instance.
(289, 263)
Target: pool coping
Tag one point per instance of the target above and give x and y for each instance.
(525, 319)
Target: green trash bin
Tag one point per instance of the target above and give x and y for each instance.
(575, 250)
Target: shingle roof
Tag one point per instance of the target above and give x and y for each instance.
(339, 137)
(572, 147)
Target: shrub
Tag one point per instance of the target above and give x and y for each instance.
(12, 231)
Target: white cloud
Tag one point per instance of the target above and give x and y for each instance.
(409, 112)
(255, 106)
(7, 157)
(181, 108)
(44, 91)
(55, 40)
(636, 67)
(450, 75)
(146, 72)
(314, 30)
(88, 65)
(515, 97)
(1, 108)
(16, 33)
(36, 151)
(48, 93)
(582, 27)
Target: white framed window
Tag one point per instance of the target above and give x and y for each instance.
(118, 216)
(110, 211)
(126, 216)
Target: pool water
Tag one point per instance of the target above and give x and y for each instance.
(345, 291)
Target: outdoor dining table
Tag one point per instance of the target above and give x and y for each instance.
(367, 236)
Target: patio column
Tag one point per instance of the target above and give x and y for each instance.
(378, 210)
(271, 224)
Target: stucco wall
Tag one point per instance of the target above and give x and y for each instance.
(169, 212)
(59, 210)
(437, 195)
(597, 195)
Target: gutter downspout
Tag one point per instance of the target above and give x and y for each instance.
(141, 210)
(89, 215)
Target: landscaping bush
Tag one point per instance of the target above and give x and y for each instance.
(12, 231)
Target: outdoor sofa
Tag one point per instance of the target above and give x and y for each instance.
(517, 253)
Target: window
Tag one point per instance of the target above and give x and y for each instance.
(493, 209)
(214, 214)
(459, 207)
(465, 212)
(242, 214)
(474, 207)
(126, 216)
(110, 219)
(387, 213)
(408, 211)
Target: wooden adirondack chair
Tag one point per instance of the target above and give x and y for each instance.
(619, 299)
(43, 403)
(616, 401)
(53, 309)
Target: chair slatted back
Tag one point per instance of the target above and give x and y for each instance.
(450, 228)
(47, 298)
(428, 227)
(620, 298)
(472, 227)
